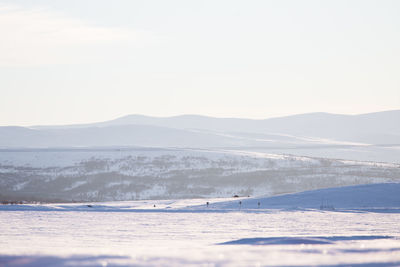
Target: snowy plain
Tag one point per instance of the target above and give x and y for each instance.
(187, 232)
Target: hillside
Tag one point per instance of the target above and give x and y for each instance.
(372, 128)
(375, 196)
(106, 174)
(366, 137)
(200, 131)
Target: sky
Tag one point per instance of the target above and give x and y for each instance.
(79, 61)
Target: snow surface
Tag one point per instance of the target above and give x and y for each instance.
(360, 197)
(185, 233)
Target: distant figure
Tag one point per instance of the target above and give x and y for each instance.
(258, 204)
(154, 205)
(207, 203)
(240, 205)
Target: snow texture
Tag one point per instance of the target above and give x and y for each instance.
(134, 233)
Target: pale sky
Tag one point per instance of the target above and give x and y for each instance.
(78, 61)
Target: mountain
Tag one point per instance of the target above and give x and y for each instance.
(373, 136)
(372, 128)
(310, 124)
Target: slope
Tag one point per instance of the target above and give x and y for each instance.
(381, 195)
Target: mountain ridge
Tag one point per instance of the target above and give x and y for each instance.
(318, 133)
(198, 116)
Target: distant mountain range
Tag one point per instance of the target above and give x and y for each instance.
(381, 128)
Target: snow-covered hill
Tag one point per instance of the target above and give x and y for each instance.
(310, 124)
(365, 197)
(371, 128)
(381, 197)
(367, 137)
(149, 173)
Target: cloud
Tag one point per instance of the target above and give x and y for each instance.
(40, 37)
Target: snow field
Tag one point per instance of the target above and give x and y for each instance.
(363, 230)
(176, 239)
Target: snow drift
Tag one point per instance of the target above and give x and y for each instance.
(371, 196)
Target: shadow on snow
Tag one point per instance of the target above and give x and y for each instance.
(289, 240)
